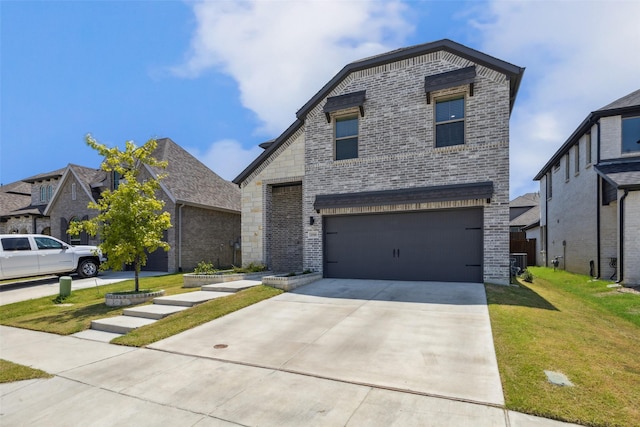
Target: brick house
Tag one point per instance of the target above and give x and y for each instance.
(23, 203)
(590, 198)
(398, 168)
(204, 208)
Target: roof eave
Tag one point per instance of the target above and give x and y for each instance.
(586, 124)
(267, 152)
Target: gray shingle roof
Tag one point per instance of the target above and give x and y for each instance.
(529, 199)
(623, 173)
(629, 100)
(191, 182)
(527, 218)
(47, 175)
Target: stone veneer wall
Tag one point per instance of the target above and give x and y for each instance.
(631, 265)
(396, 148)
(285, 166)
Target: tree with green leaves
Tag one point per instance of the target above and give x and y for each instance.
(130, 220)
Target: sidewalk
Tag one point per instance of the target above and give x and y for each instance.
(103, 384)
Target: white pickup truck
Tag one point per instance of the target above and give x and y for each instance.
(24, 255)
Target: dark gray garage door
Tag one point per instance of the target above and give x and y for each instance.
(443, 245)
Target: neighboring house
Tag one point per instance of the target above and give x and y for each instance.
(590, 195)
(398, 168)
(524, 226)
(204, 208)
(23, 203)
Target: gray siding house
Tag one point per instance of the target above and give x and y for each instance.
(590, 195)
(398, 168)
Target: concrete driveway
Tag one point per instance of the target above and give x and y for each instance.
(426, 338)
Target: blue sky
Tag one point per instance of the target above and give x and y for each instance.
(221, 77)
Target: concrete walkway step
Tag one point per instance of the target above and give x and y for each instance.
(189, 299)
(120, 324)
(96, 335)
(155, 311)
(235, 286)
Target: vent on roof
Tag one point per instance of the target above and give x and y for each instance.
(450, 79)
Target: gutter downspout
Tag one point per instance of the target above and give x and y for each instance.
(180, 237)
(598, 204)
(621, 233)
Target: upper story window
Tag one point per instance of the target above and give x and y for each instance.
(346, 131)
(450, 122)
(577, 163)
(588, 151)
(73, 191)
(549, 185)
(46, 192)
(566, 167)
(630, 134)
(345, 109)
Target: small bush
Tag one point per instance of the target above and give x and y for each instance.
(250, 268)
(204, 267)
(527, 276)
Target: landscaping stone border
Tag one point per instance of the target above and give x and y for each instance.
(117, 300)
(289, 283)
(192, 280)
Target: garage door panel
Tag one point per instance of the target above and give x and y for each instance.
(435, 245)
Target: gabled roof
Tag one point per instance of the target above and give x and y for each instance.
(513, 73)
(85, 176)
(44, 176)
(628, 104)
(189, 181)
(527, 218)
(529, 199)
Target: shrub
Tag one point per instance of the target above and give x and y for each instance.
(204, 267)
(527, 276)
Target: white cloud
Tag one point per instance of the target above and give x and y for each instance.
(579, 56)
(282, 52)
(226, 157)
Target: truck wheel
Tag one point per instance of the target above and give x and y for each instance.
(88, 268)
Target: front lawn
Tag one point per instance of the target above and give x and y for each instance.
(570, 324)
(75, 313)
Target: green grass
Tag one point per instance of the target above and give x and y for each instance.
(10, 372)
(195, 316)
(566, 323)
(76, 312)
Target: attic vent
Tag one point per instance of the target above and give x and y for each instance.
(449, 79)
(342, 102)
